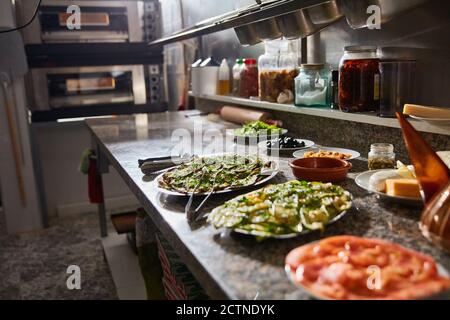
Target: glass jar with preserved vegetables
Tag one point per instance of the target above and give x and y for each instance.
(359, 79)
(248, 84)
(381, 156)
(278, 67)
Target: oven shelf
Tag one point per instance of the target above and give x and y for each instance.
(92, 54)
(368, 118)
(95, 111)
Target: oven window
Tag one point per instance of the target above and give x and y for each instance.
(53, 18)
(90, 83)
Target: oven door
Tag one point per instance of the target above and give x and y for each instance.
(100, 21)
(79, 86)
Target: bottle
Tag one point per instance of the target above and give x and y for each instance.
(335, 89)
(248, 86)
(237, 68)
(224, 78)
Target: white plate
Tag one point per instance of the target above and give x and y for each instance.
(362, 180)
(290, 235)
(257, 137)
(308, 144)
(353, 153)
(434, 121)
(271, 174)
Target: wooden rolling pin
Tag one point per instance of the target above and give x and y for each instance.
(241, 115)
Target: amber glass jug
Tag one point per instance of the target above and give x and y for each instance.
(434, 180)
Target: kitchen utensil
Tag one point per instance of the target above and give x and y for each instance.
(434, 179)
(305, 22)
(187, 209)
(195, 215)
(241, 115)
(247, 35)
(15, 143)
(205, 76)
(253, 33)
(431, 171)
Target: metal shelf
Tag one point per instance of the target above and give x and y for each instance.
(368, 118)
(95, 111)
(238, 19)
(92, 54)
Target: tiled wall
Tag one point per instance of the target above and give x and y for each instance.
(341, 133)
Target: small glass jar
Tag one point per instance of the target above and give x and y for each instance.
(312, 86)
(359, 79)
(381, 156)
(248, 85)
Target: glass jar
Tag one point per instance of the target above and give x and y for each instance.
(359, 79)
(278, 67)
(248, 85)
(381, 156)
(312, 86)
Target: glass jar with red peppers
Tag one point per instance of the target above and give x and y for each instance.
(359, 79)
(248, 86)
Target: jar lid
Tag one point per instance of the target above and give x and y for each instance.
(210, 62)
(311, 66)
(382, 147)
(361, 49)
(197, 63)
(249, 61)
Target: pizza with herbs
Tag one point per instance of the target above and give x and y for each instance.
(352, 268)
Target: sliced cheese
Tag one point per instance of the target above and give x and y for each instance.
(426, 112)
(403, 188)
(445, 156)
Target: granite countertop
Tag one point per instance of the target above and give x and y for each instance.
(229, 265)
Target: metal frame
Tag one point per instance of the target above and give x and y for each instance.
(236, 20)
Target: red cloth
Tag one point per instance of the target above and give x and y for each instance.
(95, 185)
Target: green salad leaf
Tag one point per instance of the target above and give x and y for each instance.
(254, 128)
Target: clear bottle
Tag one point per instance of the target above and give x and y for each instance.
(359, 79)
(224, 79)
(381, 156)
(236, 71)
(278, 67)
(312, 86)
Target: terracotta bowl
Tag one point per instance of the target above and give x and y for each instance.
(320, 169)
